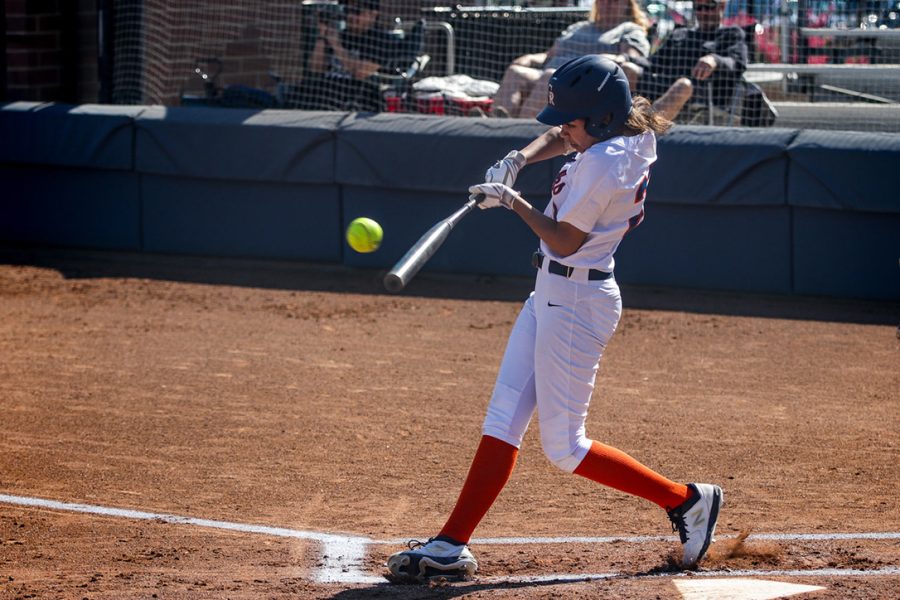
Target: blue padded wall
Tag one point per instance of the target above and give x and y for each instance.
(846, 254)
(759, 210)
(734, 248)
(485, 241)
(846, 206)
(845, 170)
(70, 207)
(716, 166)
(66, 175)
(241, 218)
(248, 145)
(425, 153)
(90, 136)
(239, 183)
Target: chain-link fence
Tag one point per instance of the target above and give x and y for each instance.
(784, 63)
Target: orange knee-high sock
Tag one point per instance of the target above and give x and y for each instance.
(493, 464)
(612, 467)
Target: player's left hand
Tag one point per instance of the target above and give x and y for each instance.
(506, 169)
(495, 194)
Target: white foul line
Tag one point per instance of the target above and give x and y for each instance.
(344, 556)
(722, 573)
(516, 541)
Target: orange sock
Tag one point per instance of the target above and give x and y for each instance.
(612, 467)
(493, 464)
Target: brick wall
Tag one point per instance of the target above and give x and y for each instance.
(251, 38)
(88, 83)
(34, 50)
(51, 50)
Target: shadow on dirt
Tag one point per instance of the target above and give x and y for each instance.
(296, 276)
(258, 273)
(416, 592)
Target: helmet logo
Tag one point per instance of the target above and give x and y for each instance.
(603, 83)
(592, 88)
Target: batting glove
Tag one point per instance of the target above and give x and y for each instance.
(506, 169)
(495, 194)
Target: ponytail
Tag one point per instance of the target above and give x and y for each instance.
(644, 118)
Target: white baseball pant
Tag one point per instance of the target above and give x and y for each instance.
(551, 364)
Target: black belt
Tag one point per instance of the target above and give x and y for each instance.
(537, 260)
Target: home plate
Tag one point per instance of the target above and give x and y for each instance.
(739, 589)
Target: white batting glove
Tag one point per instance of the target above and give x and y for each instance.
(506, 169)
(495, 194)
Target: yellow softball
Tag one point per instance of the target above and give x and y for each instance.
(364, 235)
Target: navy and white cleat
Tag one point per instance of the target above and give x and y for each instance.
(695, 521)
(436, 557)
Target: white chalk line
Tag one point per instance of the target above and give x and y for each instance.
(344, 556)
(719, 573)
(889, 535)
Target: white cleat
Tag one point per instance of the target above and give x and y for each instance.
(433, 558)
(695, 521)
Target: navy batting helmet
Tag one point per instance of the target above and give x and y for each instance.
(589, 87)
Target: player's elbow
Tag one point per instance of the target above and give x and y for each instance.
(565, 251)
(567, 239)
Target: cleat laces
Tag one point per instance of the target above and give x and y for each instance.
(413, 544)
(679, 525)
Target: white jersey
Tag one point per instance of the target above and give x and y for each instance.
(602, 192)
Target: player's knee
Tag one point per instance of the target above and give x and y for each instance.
(566, 453)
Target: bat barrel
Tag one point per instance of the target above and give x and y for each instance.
(393, 282)
(407, 267)
(416, 257)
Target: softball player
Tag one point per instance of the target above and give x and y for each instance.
(554, 349)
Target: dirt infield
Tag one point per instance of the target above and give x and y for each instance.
(308, 401)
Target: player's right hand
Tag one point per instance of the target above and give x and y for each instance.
(506, 169)
(492, 195)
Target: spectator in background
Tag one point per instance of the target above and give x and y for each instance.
(615, 27)
(707, 54)
(342, 62)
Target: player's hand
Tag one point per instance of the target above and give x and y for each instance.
(506, 169)
(704, 68)
(495, 194)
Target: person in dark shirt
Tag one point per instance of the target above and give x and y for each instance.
(342, 63)
(691, 59)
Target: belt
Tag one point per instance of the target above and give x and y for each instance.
(537, 260)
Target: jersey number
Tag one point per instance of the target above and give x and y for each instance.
(639, 196)
(558, 183)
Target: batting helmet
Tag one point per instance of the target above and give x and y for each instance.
(589, 87)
